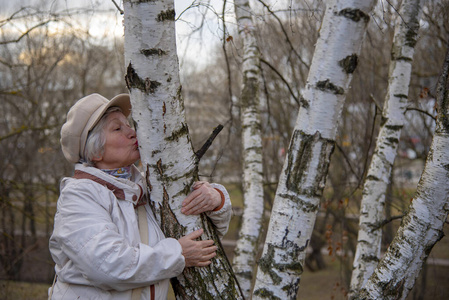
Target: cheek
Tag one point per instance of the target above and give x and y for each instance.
(137, 153)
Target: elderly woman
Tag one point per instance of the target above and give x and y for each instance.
(106, 243)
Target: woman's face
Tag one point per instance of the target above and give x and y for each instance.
(120, 148)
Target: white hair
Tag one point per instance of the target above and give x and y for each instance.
(96, 138)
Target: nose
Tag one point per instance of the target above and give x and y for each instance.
(131, 133)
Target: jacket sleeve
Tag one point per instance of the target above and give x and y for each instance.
(93, 243)
(221, 217)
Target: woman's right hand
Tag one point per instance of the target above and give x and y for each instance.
(197, 253)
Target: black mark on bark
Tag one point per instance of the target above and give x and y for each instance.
(327, 86)
(354, 14)
(349, 63)
(168, 15)
(152, 52)
(134, 81)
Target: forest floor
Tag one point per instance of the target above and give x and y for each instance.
(319, 285)
(329, 283)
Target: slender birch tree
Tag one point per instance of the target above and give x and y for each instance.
(304, 172)
(422, 227)
(167, 155)
(247, 244)
(372, 213)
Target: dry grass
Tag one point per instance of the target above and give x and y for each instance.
(10, 290)
(324, 284)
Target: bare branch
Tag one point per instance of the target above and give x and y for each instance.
(118, 7)
(421, 111)
(14, 16)
(193, 4)
(228, 67)
(378, 105)
(283, 79)
(25, 128)
(44, 18)
(386, 221)
(199, 154)
(346, 159)
(25, 33)
(285, 33)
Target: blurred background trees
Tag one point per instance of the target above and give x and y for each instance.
(43, 72)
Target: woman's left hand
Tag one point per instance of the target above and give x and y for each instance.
(203, 198)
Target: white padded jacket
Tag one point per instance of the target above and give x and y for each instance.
(96, 243)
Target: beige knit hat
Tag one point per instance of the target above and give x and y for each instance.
(82, 118)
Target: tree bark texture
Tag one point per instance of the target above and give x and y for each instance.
(166, 151)
(247, 244)
(304, 172)
(422, 227)
(372, 213)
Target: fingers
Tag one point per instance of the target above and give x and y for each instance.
(196, 209)
(206, 260)
(197, 253)
(196, 201)
(198, 184)
(202, 264)
(204, 198)
(208, 246)
(195, 234)
(192, 197)
(210, 256)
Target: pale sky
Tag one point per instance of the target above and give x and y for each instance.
(106, 20)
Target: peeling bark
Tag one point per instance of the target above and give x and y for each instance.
(422, 227)
(166, 150)
(304, 173)
(372, 212)
(248, 242)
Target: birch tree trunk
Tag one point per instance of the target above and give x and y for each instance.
(372, 213)
(166, 151)
(304, 172)
(247, 244)
(422, 227)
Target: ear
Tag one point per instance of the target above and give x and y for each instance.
(97, 159)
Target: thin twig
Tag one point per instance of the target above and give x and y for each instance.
(285, 33)
(346, 159)
(25, 129)
(397, 11)
(267, 96)
(283, 79)
(379, 106)
(228, 67)
(209, 141)
(371, 139)
(421, 111)
(118, 7)
(386, 221)
(25, 33)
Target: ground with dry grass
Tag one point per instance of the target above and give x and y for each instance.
(330, 283)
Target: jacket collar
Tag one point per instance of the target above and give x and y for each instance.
(118, 192)
(129, 190)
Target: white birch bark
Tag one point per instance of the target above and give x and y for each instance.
(247, 244)
(166, 151)
(372, 212)
(422, 227)
(304, 173)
